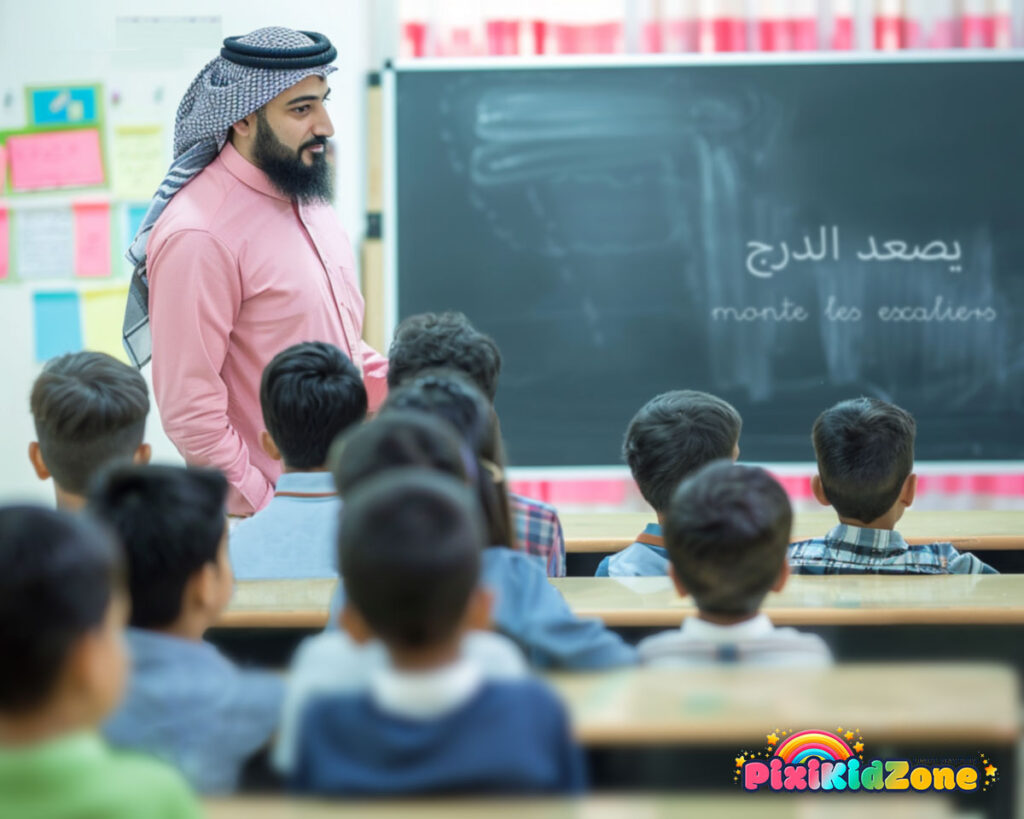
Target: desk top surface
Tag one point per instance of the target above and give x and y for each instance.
(908, 703)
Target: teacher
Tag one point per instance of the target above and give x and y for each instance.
(240, 254)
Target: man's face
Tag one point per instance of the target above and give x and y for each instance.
(290, 143)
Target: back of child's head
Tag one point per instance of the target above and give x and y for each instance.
(726, 530)
(409, 553)
(310, 393)
(430, 340)
(89, 410)
(865, 451)
(452, 396)
(57, 575)
(675, 434)
(171, 521)
(398, 439)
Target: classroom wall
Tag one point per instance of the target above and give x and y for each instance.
(149, 64)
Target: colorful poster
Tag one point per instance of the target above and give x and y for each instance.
(103, 314)
(92, 239)
(55, 159)
(137, 161)
(69, 105)
(3, 169)
(5, 243)
(44, 243)
(58, 325)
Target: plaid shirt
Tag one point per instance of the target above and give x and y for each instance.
(539, 532)
(856, 550)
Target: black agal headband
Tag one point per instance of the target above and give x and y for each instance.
(320, 52)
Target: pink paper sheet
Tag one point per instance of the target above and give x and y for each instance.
(55, 159)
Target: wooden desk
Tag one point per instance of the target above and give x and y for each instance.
(815, 601)
(596, 807)
(920, 704)
(291, 604)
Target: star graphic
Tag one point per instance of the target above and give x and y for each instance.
(858, 747)
(772, 738)
(849, 736)
(740, 760)
(991, 770)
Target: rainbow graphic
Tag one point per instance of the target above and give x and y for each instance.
(798, 748)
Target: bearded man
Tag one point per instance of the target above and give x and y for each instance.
(240, 254)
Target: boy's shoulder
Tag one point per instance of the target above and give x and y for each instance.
(141, 787)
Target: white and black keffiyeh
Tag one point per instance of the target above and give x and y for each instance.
(250, 71)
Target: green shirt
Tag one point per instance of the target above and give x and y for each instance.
(79, 777)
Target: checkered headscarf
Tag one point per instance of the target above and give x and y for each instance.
(249, 72)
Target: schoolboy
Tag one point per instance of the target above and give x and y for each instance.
(186, 703)
(448, 340)
(672, 436)
(62, 616)
(865, 452)
(409, 552)
(726, 530)
(310, 393)
(89, 410)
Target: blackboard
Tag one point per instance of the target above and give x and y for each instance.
(785, 235)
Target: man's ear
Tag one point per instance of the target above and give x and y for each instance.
(676, 581)
(245, 127)
(142, 454)
(353, 624)
(35, 456)
(269, 446)
(780, 581)
(909, 490)
(478, 610)
(819, 491)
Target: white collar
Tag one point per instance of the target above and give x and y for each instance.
(425, 694)
(698, 629)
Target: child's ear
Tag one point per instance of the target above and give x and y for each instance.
(780, 581)
(353, 624)
(676, 581)
(36, 458)
(478, 611)
(269, 446)
(819, 491)
(736, 451)
(909, 490)
(142, 454)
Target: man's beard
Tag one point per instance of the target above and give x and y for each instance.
(285, 168)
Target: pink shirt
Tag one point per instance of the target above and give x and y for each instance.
(237, 273)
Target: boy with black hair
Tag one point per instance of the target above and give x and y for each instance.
(310, 393)
(186, 703)
(89, 410)
(448, 340)
(671, 437)
(410, 552)
(62, 613)
(865, 452)
(726, 529)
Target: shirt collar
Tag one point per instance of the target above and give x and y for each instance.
(154, 647)
(698, 629)
(880, 540)
(247, 173)
(651, 535)
(306, 484)
(425, 694)
(78, 745)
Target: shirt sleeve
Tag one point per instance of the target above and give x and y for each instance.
(967, 563)
(556, 557)
(195, 297)
(375, 376)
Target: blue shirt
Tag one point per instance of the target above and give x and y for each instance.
(508, 737)
(857, 550)
(647, 557)
(533, 613)
(191, 707)
(294, 536)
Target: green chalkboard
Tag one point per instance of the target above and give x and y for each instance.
(784, 235)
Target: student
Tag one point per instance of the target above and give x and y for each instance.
(448, 340)
(726, 529)
(62, 616)
(527, 607)
(865, 452)
(186, 703)
(672, 436)
(330, 662)
(410, 552)
(310, 393)
(89, 410)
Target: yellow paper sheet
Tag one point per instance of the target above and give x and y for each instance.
(138, 162)
(103, 316)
